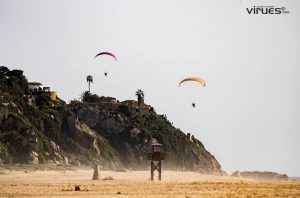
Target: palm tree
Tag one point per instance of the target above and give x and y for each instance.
(140, 94)
(89, 79)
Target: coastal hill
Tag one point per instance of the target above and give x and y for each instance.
(37, 127)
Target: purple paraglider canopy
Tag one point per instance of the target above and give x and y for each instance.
(106, 53)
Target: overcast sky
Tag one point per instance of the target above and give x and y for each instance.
(248, 115)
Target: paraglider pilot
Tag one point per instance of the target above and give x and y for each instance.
(195, 79)
(106, 53)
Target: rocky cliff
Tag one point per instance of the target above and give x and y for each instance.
(34, 128)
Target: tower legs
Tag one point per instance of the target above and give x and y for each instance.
(156, 165)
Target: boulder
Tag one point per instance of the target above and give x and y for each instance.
(33, 158)
(134, 132)
(31, 136)
(54, 146)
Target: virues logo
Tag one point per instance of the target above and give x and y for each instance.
(267, 10)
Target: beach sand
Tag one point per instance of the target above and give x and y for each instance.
(24, 183)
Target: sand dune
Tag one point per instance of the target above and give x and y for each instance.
(137, 184)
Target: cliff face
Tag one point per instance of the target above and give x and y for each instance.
(36, 129)
(129, 136)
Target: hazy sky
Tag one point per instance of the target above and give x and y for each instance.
(248, 115)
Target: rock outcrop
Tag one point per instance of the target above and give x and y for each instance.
(260, 175)
(33, 157)
(96, 174)
(81, 133)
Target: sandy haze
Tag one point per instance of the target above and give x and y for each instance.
(137, 184)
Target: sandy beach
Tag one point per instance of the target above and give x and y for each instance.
(24, 183)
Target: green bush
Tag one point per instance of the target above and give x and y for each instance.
(15, 142)
(19, 122)
(4, 155)
(42, 99)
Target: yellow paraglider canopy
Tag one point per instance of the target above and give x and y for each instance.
(195, 79)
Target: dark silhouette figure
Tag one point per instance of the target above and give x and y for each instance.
(193, 105)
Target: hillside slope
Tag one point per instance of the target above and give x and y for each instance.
(37, 128)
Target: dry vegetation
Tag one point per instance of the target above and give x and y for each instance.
(137, 184)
